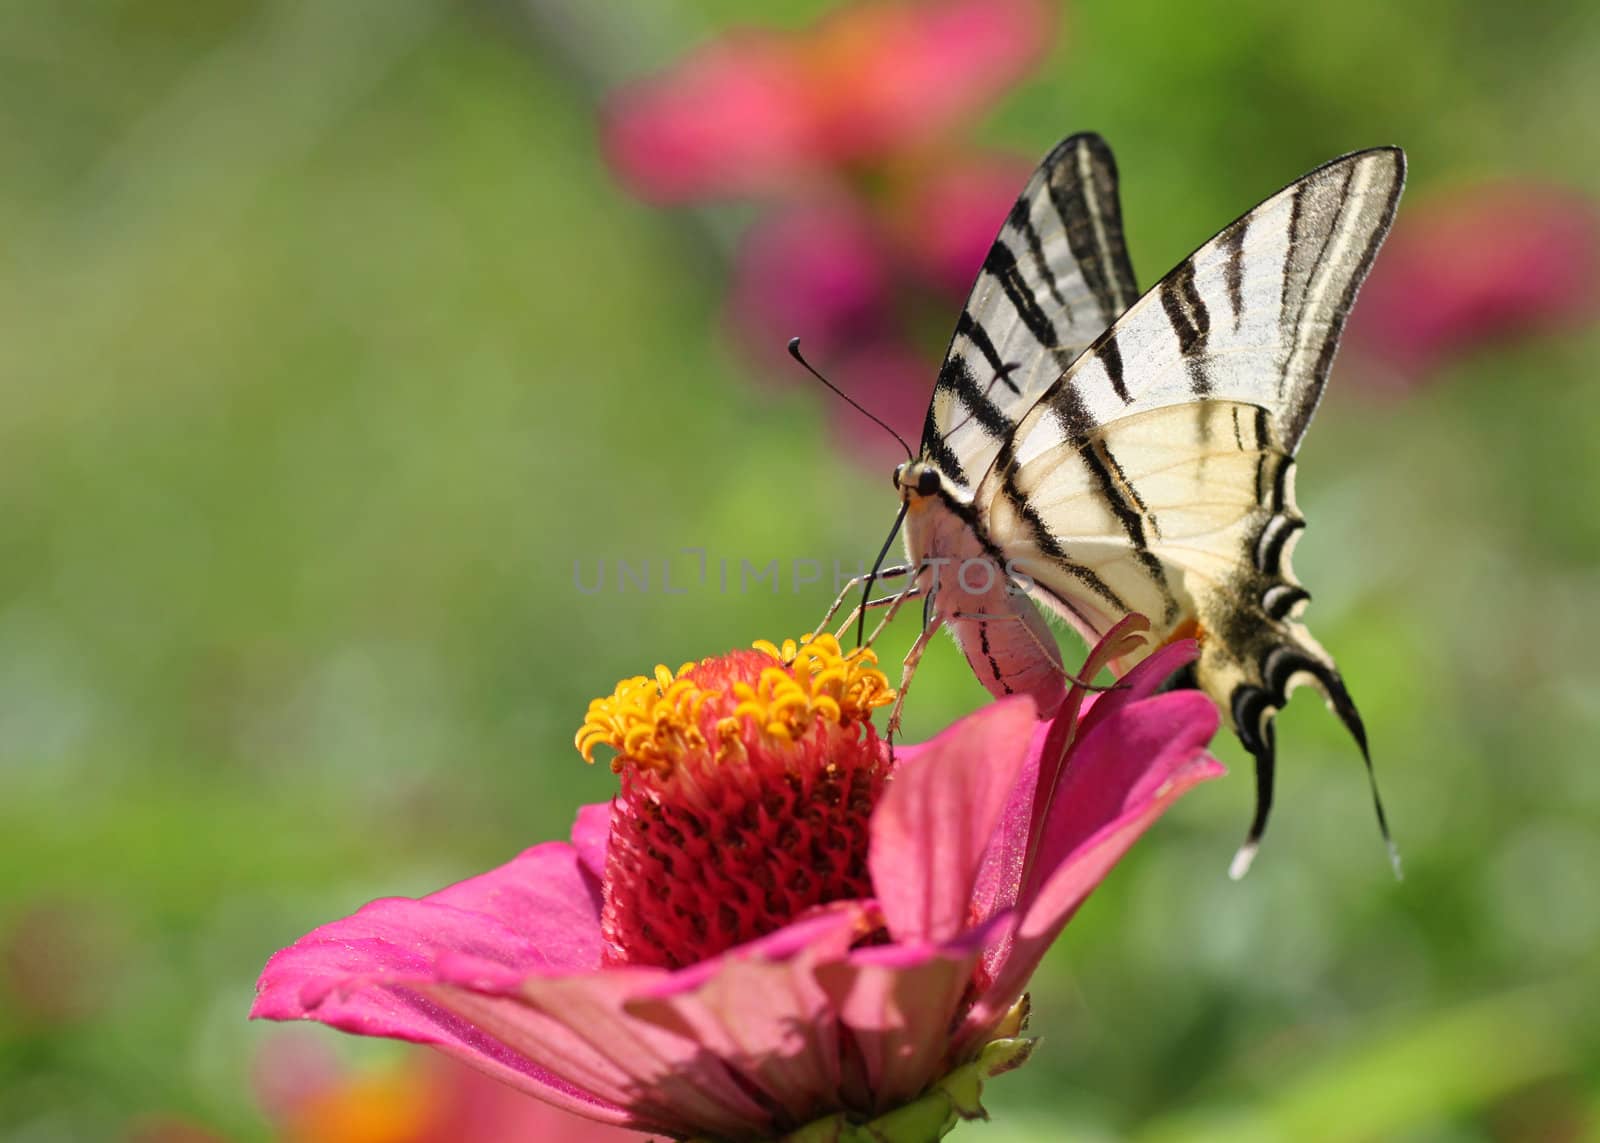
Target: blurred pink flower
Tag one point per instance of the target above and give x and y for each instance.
(1487, 262)
(61, 959)
(819, 271)
(762, 928)
(890, 377)
(169, 1129)
(424, 1098)
(824, 273)
(759, 111)
(884, 218)
(846, 283)
(311, 1096)
(944, 222)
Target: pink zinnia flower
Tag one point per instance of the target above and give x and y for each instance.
(1485, 263)
(777, 919)
(756, 111)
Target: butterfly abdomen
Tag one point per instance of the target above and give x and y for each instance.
(975, 593)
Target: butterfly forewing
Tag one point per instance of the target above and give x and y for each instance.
(1056, 277)
(1254, 315)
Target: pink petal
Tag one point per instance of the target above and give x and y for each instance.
(1010, 855)
(1138, 684)
(485, 1037)
(475, 1109)
(575, 1028)
(544, 897)
(999, 881)
(1119, 780)
(821, 926)
(761, 1011)
(537, 912)
(1117, 767)
(362, 973)
(899, 1003)
(930, 831)
(1128, 637)
(645, 1038)
(590, 833)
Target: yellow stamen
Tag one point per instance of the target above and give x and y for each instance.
(653, 722)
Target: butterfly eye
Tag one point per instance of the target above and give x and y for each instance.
(899, 471)
(927, 482)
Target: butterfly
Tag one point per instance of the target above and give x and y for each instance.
(1105, 452)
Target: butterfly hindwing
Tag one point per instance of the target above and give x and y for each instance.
(1056, 277)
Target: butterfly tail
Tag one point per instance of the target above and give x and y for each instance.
(1339, 701)
(1295, 660)
(1260, 740)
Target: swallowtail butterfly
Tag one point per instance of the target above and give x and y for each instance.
(1111, 452)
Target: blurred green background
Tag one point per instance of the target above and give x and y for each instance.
(330, 343)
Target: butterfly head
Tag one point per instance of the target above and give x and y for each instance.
(916, 478)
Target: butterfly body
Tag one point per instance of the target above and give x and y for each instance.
(1106, 452)
(976, 592)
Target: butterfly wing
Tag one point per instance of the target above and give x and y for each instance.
(1056, 277)
(1157, 473)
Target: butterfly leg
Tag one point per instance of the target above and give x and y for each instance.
(892, 602)
(849, 588)
(909, 668)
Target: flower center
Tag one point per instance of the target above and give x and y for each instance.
(747, 784)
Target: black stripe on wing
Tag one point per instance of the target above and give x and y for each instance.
(1309, 396)
(1082, 179)
(1191, 322)
(1125, 503)
(957, 376)
(1232, 242)
(1041, 536)
(1327, 283)
(1057, 275)
(1021, 219)
(1255, 313)
(1001, 265)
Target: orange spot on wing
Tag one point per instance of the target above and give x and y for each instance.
(1189, 629)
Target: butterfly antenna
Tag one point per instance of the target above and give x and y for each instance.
(794, 352)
